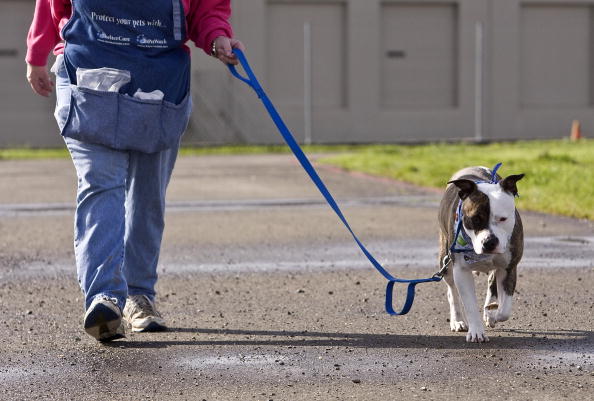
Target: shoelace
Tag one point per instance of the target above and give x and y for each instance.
(110, 299)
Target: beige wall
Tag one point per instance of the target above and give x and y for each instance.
(541, 61)
(406, 71)
(25, 119)
(363, 91)
(382, 71)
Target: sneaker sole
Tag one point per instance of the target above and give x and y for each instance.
(102, 323)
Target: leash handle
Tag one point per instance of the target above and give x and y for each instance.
(410, 293)
(410, 297)
(252, 81)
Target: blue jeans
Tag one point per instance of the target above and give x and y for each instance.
(120, 207)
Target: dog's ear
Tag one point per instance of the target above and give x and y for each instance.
(466, 187)
(509, 183)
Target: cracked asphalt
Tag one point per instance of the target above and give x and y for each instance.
(268, 298)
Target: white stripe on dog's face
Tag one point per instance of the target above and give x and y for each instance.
(502, 219)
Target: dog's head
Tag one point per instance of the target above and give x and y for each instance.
(489, 212)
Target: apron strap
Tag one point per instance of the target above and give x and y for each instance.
(177, 19)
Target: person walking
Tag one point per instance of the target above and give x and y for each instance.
(123, 102)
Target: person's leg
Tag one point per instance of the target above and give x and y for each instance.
(99, 235)
(148, 177)
(99, 226)
(99, 220)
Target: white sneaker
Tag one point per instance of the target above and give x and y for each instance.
(141, 314)
(103, 319)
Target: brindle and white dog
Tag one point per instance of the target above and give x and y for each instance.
(490, 240)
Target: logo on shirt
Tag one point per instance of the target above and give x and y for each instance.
(111, 39)
(143, 41)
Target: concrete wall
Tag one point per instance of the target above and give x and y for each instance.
(381, 71)
(25, 118)
(541, 64)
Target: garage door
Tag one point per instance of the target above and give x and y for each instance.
(542, 68)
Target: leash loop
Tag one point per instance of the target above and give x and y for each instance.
(410, 293)
(252, 81)
(410, 297)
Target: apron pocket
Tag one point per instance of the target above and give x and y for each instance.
(89, 117)
(124, 122)
(174, 120)
(139, 125)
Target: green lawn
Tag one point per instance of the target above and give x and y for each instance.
(60, 153)
(559, 174)
(33, 154)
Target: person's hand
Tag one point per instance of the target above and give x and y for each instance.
(39, 79)
(224, 49)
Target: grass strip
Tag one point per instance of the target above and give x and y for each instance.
(33, 154)
(559, 174)
(62, 153)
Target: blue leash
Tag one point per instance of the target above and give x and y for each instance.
(305, 163)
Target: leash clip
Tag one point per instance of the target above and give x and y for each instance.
(445, 263)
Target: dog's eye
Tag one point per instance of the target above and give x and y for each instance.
(502, 219)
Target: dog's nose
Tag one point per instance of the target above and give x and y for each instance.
(490, 244)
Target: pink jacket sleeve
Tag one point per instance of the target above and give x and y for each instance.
(208, 19)
(44, 33)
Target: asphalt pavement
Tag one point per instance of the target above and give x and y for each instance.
(268, 298)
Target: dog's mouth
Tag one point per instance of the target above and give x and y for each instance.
(493, 253)
(497, 251)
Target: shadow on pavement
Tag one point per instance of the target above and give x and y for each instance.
(510, 339)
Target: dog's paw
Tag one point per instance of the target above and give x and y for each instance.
(476, 336)
(502, 316)
(458, 325)
(490, 318)
(490, 314)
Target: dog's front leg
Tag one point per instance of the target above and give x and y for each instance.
(506, 285)
(457, 321)
(465, 284)
(491, 301)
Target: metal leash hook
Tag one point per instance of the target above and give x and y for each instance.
(252, 82)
